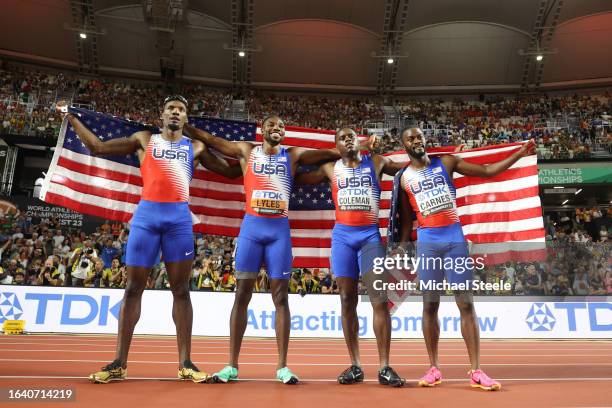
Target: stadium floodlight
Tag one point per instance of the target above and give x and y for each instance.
(241, 53)
(83, 35)
(539, 57)
(558, 187)
(565, 202)
(578, 192)
(390, 61)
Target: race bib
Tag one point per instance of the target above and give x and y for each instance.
(269, 202)
(434, 201)
(355, 199)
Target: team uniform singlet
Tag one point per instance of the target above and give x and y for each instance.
(264, 234)
(356, 193)
(268, 183)
(431, 194)
(162, 220)
(356, 239)
(440, 239)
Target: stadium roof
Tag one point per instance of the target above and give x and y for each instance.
(446, 45)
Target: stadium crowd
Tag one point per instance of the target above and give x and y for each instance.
(35, 251)
(565, 127)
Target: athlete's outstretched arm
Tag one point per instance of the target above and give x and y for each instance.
(471, 169)
(233, 149)
(314, 177)
(219, 165)
(119, 146)
(389, 166)
(314, 156)
(405, 213)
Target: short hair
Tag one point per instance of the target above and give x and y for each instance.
(407, 128)
(270, 116)
(179, 98)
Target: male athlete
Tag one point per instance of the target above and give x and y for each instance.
(439, 238)
(356, 241)
(162, 220)
(264, 234)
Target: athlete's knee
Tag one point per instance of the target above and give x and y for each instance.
(466, 307)
(134, 289)
(348, 300)
(280, 299)
(380, 308)
(180, 291)
(430, 308)
(243, 295)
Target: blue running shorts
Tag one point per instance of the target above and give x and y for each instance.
(266, 241)
(160, 226)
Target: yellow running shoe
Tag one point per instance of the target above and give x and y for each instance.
(110, 372)
(191, 372)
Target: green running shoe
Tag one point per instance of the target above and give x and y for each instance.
(285, 376)
(228, 373)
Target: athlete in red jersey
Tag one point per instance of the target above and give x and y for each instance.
(264, 233)
(167, 161)
(428, 190)
(356, 241)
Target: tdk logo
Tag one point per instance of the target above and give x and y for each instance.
(355, 181)
(540, 318)
(75, 309)
(170, 154)
(10, 308)
(427, 184)
(269, 168)
(598, 316)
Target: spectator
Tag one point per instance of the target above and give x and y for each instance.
(581, 283)
(82, 264)
(49, 275)
(207, 279)
(114, 273)
(108, 252)
(308, 284)
(262, 283)
(533, 281)
(228, 279)
(161, 281)
(608, 282)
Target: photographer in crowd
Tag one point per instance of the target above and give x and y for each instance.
(49, 275)
(82, 263)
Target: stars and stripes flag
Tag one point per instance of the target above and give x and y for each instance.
(492, 211)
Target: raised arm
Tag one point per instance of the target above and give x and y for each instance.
(314, 177)
(240, 150)
(388, 166)
(218, 164)
(119, 146)
(478, 170)
(314, 156)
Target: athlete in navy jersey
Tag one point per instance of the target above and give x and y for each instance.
(427, 190)
(356, 241)
(162, 221)
(264, 234)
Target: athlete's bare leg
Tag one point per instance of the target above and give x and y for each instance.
(348, 288)
(469, 327)
(179, 274)
(238, 319)
(280, 297)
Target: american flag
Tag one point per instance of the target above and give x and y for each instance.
(109, 187)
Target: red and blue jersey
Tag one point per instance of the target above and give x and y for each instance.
(267, 183)
(356, 193)
(166, 170)
(431, 194)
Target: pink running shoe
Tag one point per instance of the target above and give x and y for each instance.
(432, 377)
(478, 379)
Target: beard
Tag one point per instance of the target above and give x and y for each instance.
(272, 141)
(416, 154)
(173, 127)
